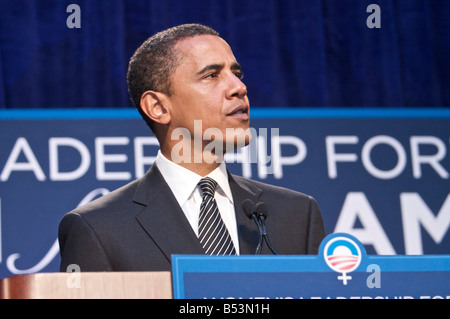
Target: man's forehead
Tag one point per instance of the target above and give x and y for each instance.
(204, 49)
(200, 40)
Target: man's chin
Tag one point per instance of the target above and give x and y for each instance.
(237, 142)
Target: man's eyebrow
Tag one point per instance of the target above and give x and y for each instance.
(211, 67)
(235, 66)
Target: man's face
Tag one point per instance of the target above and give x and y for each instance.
(206, 85)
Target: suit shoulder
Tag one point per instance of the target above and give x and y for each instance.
(116, 200)
(272, 189)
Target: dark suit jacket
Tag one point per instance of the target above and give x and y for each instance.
(140, 225)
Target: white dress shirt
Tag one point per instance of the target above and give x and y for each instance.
(183, 184)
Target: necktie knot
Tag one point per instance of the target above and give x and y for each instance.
(208, 186)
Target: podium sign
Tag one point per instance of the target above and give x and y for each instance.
(342, 269)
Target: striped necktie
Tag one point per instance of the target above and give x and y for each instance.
(212, 232)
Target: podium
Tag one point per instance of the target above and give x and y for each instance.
(88, 285)
(341, 270)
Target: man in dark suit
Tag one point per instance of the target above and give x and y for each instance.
(187, 85)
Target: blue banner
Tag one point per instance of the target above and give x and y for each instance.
(380, 175)
(341, 270)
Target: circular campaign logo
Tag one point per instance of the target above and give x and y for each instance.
(342, 255)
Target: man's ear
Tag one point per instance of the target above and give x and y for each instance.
(152, 104)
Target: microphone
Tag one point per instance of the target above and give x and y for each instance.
(249, 209)
(262, 213)
(259, 214)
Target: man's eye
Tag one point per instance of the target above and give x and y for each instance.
(212, 75)
(240, 75)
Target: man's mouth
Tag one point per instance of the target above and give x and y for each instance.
(240, 111)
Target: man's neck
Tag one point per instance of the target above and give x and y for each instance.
(201, 166)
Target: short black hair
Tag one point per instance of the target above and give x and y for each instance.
(151, 66)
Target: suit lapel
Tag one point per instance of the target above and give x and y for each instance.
(164, 221)
(247, 230)
(162, 217)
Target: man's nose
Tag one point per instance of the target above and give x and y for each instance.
(237, 88)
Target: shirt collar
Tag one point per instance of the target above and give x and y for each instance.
(183, 182)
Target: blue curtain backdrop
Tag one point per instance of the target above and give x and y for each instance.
(299, 53)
